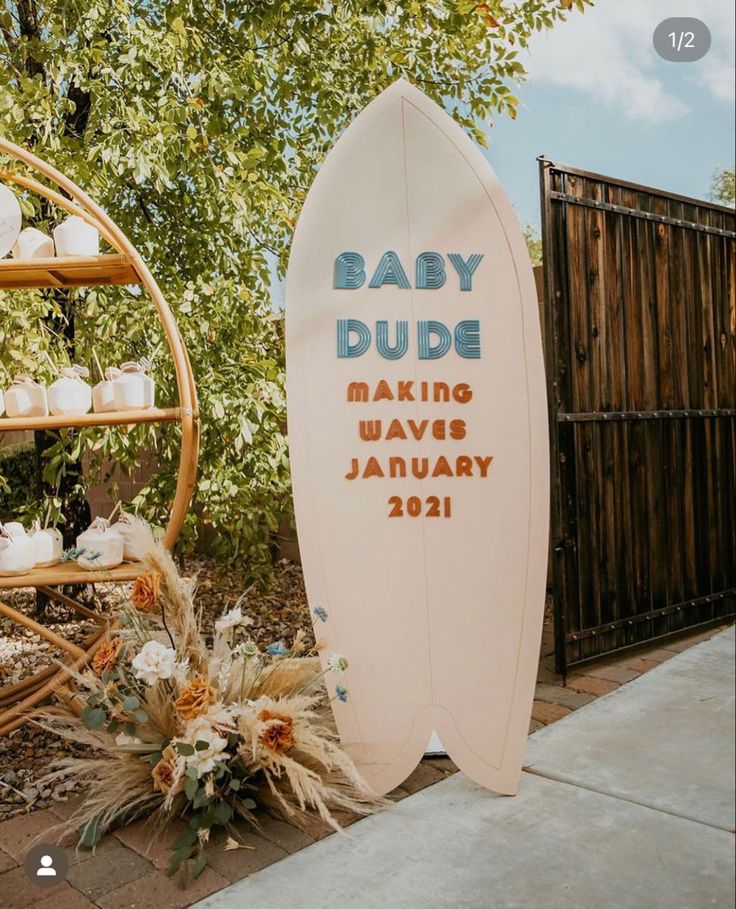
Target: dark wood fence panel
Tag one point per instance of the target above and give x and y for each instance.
(640, 343)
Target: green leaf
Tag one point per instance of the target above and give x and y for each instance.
(186, 838)
(184, 749)
(190, 788)
(93, 717)
(90, 833)
(201, 746)
(131, 702)
(177, 857)
(200, 799)
(199, 865)
(223, 813)
(234, 784)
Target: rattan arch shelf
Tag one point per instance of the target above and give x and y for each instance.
(123, 266)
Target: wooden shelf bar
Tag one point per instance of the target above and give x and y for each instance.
(115, 418)
(70, 573)
(67, 271)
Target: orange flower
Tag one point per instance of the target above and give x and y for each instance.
(163, 772)
(145, 591)
(279, 733)
(163, 776)
(107, 655)
(194, 699)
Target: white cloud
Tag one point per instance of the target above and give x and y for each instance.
(607, 53)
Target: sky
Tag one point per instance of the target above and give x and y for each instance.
(600, 98)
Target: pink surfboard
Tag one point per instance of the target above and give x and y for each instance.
(418, 440)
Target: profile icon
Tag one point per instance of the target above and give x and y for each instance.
(47, 867)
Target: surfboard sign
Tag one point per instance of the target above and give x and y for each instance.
(418, 442)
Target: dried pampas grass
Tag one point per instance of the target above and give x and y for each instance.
(179, 726)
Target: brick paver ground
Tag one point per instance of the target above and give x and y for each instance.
(127, 869)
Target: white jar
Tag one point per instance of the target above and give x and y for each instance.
(133, 389)
(14, 529)
(103, 546)
(70, 395)
(26, 398)
(17, 553)
(124, 527)
(33, 244)
(48, 546)
(2, 402)
(11, 219)
(103, 394)
(75, 237)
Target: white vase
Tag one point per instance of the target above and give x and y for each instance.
(133, 389)
(33, 244)
(70, 395)
(17, 552)
(26, 398)
(48, 546)
(75, 237)
(2, 402)
(103, 394)
(102, 546)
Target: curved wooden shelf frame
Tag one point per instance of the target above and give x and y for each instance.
(124, 266)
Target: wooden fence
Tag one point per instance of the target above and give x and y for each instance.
(640, 343)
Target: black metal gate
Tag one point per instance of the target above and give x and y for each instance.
(640, 347)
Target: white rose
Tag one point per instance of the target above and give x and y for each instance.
(122, 739)
(154, 662)
(199, 730)
(232, 619)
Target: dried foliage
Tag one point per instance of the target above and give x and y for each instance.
(180, 727)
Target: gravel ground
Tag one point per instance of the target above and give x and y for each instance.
(29, 753)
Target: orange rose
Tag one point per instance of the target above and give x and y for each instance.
(194, 699)
(163, 772)
(145, 591)
(106, 656)
(279, 733)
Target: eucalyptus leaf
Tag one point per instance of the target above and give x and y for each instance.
(199, 865)
(93, 717)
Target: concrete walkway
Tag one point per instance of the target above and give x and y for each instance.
(626, 804)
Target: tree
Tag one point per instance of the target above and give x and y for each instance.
(199, 126)
(533, 243)
(723, 186)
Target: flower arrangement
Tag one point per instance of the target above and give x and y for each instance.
(180, 727)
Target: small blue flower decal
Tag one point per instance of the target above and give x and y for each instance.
(321, 614)
(342, 693)
(277, 649)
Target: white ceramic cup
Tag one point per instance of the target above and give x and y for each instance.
(75, 237)
(48, 546)
(103, 394)
(33, 244)
(103, 546)
(17, 553)
(70, 395)
(26, 398)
